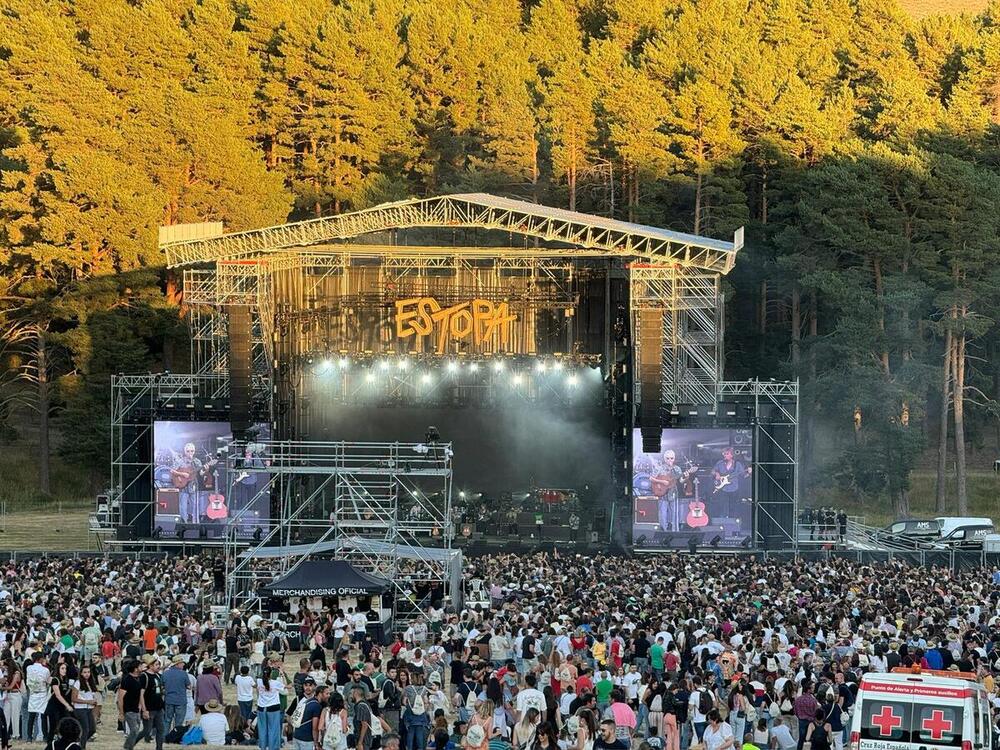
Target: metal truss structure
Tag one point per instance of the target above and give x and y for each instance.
(579, 232)
(385, 507)
(776, 465)
(693, 318)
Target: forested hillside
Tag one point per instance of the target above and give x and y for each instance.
(859, 146)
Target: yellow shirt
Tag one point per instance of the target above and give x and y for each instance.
(600, 651)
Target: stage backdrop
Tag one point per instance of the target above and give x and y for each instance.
(191, 485)
(698, 486)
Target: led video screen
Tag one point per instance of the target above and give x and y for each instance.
(192, 486)
(698, 489)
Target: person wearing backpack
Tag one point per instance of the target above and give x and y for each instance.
(416, 717)
(388, 700)
(333, 723)
(367, 727)
(466, 696)
(699, 705)
(305, 721)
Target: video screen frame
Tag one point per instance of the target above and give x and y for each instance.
(191, 485)
(697, 490)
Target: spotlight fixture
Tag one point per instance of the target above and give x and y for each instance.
(452, 365)
(462, 494)
(473, 367)
(384, 364)
(557, 366)
(572, 380)
(326, 364)
(403, 364)
(425, 378)
(498, 366)
(370, 377)
(540, 367)
(516, 380)
(343, 363)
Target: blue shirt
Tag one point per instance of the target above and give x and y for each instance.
(304, 731)
(175, 686)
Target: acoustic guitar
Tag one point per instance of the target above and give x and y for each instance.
(696, 517)
(216, 507)
(181, 478)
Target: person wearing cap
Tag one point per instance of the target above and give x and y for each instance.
(305, 720)
(175, 694)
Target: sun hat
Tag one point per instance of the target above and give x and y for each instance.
(213, 706)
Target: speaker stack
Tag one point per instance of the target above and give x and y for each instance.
(651, 378)
(239, 370)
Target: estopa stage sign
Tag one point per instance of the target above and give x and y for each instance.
(477, 319)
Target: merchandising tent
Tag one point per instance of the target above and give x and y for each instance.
(326, 578)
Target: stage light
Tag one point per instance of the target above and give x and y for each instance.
(540, 367)
(343, 363)
(498, 366)
(403, 364)
(516, 380)
(557, 366)
(715, 541)
(572, 380)
(461, 494)
(473, 366)
(425, 378)
(452, 365)
(746, 543)
(384, 364)
(370, 377)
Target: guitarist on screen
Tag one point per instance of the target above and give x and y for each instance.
(185, 475)
(729, 474)
(666, 483)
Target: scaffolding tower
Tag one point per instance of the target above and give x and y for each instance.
(381, 506)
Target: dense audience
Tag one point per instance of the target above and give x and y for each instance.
(550, 652)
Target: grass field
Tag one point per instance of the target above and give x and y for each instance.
(924, 8)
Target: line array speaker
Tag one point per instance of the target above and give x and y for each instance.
(651, 378)
(239, 369)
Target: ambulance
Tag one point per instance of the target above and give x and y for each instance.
(921, 710)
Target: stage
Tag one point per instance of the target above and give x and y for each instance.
(411, 374)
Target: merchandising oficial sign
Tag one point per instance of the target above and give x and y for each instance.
(478, 319)
(332, 591)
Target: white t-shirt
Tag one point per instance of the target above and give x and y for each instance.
(360, 622)
(244, 687)
(267, 698)
(696, 716)
(714, 738)
(783, 736)
(214, 727)
(83, 695)
(530, 698)
(631, 683)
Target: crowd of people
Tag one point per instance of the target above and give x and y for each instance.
(564, 652)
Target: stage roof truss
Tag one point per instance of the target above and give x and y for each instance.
(580, 232)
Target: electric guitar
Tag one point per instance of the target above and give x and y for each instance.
(216, 507)
(727, 479)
